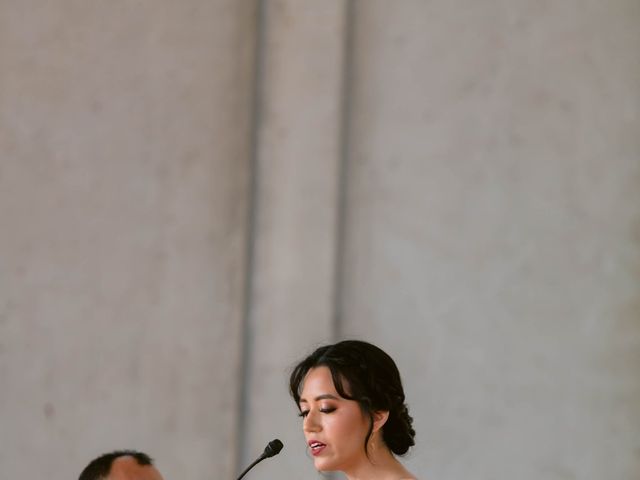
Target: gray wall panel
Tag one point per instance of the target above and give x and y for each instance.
(122, 203)
(297, 182)
(492, 205)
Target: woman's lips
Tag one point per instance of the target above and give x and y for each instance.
(316, 447)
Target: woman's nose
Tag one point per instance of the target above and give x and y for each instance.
(311, 423)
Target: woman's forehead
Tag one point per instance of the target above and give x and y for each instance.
(320, 379)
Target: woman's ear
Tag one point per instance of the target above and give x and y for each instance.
(379, 419)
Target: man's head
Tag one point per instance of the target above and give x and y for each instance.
(121, 465)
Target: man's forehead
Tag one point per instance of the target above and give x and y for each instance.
(128, 468)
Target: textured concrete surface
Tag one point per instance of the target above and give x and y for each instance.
(123, 199)
(156, 154)
(493, 215)
(297, 191)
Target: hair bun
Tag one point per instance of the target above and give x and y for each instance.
(398, 432)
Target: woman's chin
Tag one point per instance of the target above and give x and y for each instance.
(323, 465)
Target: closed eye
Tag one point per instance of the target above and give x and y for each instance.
(327, 410)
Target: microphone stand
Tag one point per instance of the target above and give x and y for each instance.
(273, 448)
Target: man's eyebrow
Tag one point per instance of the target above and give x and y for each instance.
(326, 396)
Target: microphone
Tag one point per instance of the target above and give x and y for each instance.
(273, 448)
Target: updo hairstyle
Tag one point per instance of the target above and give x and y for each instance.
(364, 373)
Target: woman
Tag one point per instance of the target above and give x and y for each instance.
(355, 420)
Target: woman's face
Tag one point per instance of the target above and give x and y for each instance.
(334, 427)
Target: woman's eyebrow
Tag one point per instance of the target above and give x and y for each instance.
(325, 396)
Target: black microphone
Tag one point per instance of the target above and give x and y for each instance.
(273, 448)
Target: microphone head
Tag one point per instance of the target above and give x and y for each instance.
(273, 448)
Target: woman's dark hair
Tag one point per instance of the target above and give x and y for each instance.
(364, 373)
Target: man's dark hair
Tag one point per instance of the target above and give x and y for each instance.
(100, 467)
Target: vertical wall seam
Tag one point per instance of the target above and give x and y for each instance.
(343, 170)
(247, 334)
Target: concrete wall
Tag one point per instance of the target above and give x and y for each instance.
(297, 170)
(493, 215)
(123, 200)
(195, 194)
